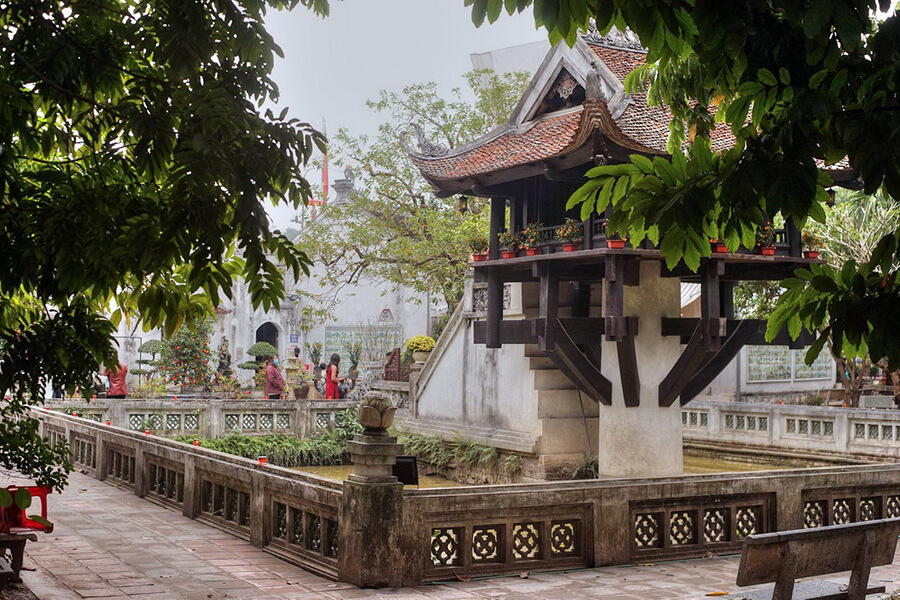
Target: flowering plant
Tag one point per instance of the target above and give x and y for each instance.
(185, 357)
(612, 235)
(479, 244)
(765, 235)
(533, 236)
(571, 231)
(812, 241)
(510, 239)
(259, 380)
(420, 343)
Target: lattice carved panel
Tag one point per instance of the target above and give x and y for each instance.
(814, 514)
(486, 543)
(716, 525)
(445, 547)
(646, 531)
(526, 541)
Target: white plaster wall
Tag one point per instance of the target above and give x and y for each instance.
(643, 441)
(484, 388)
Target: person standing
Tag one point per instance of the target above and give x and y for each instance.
(274, 380)
(331, 378)
(117, 387)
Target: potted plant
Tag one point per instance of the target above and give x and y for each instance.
(420, 346)
(479, 245)
(510, 242)
(613, 240)
(354, 354)
(812, 244)
(532, 238)
(571, 233)
(765, 239)
(717, 246)
(301, 384)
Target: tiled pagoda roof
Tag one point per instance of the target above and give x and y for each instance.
(639, 128)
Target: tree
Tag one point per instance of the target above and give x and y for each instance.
(185, 356)
(800, 85)
(394, 228)
(134, 159)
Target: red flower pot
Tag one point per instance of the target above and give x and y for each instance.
(479, 257)
(509, 254)
(618, 244)
(571, 247)
(719, 248)
(532, 251)
(767, 250)
(810, 254)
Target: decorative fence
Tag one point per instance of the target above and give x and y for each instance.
(857, 431)
(209, 418)
(290, 514)
(442, 533)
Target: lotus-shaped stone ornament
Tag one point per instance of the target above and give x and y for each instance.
(376, 412)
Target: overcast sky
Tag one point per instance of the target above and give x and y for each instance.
(333, 65)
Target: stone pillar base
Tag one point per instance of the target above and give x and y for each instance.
(373, 456)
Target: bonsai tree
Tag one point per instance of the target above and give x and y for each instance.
(479, 244)
(153, 348)
(262, 350)
(533, 236)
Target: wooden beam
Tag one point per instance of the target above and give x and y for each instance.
(584, 374)
(684, 327)
(548, 308)
(694, 355)
(495, 284)
(614, 305)
(738, 338)
(629, 374)
(527, 331)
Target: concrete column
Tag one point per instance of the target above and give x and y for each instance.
(645, 440)
(191, 505)
(372, 519)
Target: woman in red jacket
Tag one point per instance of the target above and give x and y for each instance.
(274, 381)
(331, 378)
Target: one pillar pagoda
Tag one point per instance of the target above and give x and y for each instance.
(608, 318)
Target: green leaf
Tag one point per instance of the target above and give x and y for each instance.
(766, 76)
(823, 283)
(23, 498)
(643, 163)
(6, 499)
(816, 348)
(784, 76)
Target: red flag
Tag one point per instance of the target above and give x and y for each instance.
(325, 168)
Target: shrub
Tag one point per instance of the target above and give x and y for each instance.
(152, 388)
(282, 450)
(478, 244)
(571, 232)
(533, 236)
(420, 343)
(262, 350)
(511, 240)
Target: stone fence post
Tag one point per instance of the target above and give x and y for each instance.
(376, 548)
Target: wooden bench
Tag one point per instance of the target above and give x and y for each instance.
(16, 529)
(782, 557)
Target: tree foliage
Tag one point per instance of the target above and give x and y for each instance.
(134, 158)
(801, 85)
(394, 228)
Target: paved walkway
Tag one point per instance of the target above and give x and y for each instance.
(109, 543)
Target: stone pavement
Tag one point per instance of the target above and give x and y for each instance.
(108, 543)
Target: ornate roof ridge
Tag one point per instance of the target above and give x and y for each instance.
(614, 38)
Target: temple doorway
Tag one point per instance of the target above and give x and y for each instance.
(267, 332)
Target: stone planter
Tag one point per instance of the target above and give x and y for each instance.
(767, 250)
(420, 357)
(571, 247)
(810, 254)
(618, 244)
(532, 252)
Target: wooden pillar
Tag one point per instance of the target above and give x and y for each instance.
(793, 238)
(549, 304)
(495, 285)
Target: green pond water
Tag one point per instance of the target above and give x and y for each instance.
(692, 465)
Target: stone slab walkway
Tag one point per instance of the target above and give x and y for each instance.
(108, 543)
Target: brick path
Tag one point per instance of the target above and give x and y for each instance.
(108, 543)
